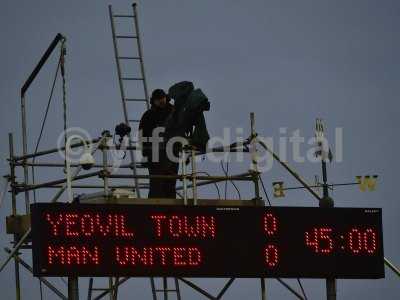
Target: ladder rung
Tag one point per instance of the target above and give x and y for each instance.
(134, 121)
(126, 36)
(133, 99)
(123, 16)
(100, 289)
(132, 78)
(128, 57)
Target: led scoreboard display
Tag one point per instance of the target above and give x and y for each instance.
(206, 241)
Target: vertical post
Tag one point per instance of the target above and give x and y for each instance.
(73, 288)
(184, 172)
(165, 288)
(254, 156)
(104, 153)
(255, 173)
(327, 202)
(194, 180)
(153, 288)
(263, 289)
(90, 289)
(68, 172)
(25, 152)
(14, 213)
(105, 163)
(116, 285)
(110, 286)
(178, 292)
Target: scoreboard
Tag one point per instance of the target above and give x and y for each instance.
(206, 241)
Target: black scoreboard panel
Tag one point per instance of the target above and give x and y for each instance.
(206, 241)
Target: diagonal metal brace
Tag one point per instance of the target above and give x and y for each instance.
(43, 280)
(392, 267)
(206, 294)
(290, 170)
(198, 289)
(292, 290)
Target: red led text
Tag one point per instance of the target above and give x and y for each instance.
(184, 226)
(73, 255)
(88, 225)
(270, 224)
(320, 240)
(362, 241)
(158, 256)
(271, 255)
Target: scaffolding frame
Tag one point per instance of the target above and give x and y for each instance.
(20, 228)
(21, 233)
(191, 181)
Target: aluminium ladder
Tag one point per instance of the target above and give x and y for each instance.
(123, 79)
(112, 289)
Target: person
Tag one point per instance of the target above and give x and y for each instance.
(154, 153)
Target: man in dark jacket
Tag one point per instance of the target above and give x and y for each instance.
(154, 152)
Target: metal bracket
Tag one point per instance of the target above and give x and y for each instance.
(18, 224)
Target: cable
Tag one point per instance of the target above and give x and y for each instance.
(226, 181)
(302, 289)
(226, 174)
(265, 190)
(43, 124)
(62, 63)
(215, 184)
(47, 108)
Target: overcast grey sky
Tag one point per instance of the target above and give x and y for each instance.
(288, 61)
